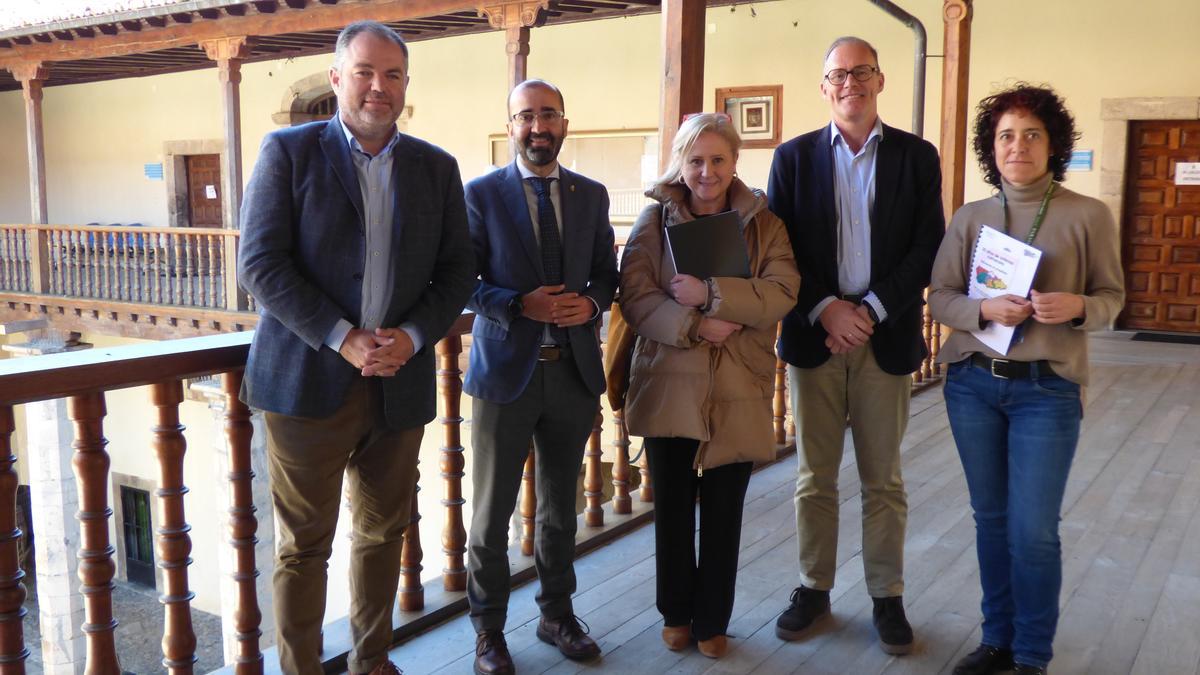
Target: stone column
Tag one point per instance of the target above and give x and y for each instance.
(54, 499)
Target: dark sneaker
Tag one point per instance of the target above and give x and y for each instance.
(570, 638)
(491, 654)
(809, 609)
(1024, 669)
(895, 635)
(985, 660)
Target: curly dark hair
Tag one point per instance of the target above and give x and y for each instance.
(1044, 104)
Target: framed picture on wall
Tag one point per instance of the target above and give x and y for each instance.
(757, 113)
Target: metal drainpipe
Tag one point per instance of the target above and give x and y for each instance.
(918, 29)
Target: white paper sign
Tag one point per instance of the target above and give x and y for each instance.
(1000, 265)
(1187, 173)
(210, 191)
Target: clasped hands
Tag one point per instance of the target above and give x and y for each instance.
(553, 304)
(1047, 308)
(849, 326)
(381, 352)
(692, 292)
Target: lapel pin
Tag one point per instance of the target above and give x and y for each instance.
(572, 187)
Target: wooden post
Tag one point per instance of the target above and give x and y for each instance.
(515, 17)
(955, 76)
(12, 592)
(593, 482)
(38, 247)
(174, 543)
(528, 503)
(96, 567)
(242, 526)
(228, 53)
(683, 69)
(31, 75)
(454, 535)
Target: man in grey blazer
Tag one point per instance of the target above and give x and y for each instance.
(355, 245)
(547, 270)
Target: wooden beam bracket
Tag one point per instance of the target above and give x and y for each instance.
(514, 14)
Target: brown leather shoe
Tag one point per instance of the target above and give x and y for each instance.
(676, 637)
(570, 638)
(385, 668)
(714, 647)
(491, 654)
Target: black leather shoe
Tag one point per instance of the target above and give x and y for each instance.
(985, 660)
(895, 635)
(809, 608)
(1023, 669)
(570, 638)
(491, 654)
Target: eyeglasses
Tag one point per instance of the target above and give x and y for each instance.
(837, 76)
(526, 118)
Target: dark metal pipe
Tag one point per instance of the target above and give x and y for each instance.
(918, 29)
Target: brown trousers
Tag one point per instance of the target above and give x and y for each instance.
(307, 458)
(876, 403)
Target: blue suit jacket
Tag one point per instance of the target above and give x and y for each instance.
(301, 257)
(907, 224)
(504, 353)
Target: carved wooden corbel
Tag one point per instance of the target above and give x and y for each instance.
(515, 14)
(24, 71)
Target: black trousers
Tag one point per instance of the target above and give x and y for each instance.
(690, 591)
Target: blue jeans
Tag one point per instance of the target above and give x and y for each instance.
(1016, 439)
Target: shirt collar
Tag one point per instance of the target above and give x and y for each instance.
(526, 173)
(836, 134)
(355, 145)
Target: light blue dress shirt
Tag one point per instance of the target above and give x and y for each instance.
(378, 198)
(854, 196)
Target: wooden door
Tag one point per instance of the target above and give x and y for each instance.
(204, 190)
(1161, 229)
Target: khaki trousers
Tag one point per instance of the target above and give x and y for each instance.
(876, 403)
(307, 458)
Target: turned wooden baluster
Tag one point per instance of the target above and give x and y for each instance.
(59, 248)
(174, 542)
(189, 271)
(412, 593)
(96, 565)
(242, 526)
(936, 348)
(645, 490)
(454, 535)
(528, 503)
(780, 402)
(622, 504)
(593, 477)
(12, 592)
(211, 299)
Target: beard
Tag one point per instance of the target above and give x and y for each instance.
(540, 156)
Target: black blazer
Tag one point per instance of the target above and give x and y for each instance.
(301, 257)
(907, 224)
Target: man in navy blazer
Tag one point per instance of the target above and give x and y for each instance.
(862, 203)
(355, 245)
(547, 271)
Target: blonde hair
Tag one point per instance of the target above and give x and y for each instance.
(685, 138)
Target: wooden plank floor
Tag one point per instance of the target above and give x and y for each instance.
(1131, 554)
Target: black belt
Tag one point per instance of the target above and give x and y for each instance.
(553, 352)
(1011, 370)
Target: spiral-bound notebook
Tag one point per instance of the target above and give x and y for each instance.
(1000, 265)
(710, 246)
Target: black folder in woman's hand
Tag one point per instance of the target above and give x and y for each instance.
(710, 246)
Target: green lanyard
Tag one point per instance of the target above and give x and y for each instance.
(1037, 220)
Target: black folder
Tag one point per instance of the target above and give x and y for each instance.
(711, 246)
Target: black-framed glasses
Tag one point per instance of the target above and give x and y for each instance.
(525, 118)
(837, 76)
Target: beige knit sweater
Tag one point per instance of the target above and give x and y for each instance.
(1080, 254)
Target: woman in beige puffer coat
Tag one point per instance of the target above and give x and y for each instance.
(702, 376)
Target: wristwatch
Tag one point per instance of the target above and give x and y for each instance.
(515, 307)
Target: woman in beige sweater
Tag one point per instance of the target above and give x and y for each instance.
(1015, 416)
(702, 376)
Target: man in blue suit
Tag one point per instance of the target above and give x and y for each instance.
(547, 268)
(862, 204)
(355, 245)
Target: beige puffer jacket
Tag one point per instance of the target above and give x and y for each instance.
(685, 387)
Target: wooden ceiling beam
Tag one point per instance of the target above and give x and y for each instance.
(313, 18)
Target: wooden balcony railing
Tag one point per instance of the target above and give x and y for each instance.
(189, 267)
(84, 377)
